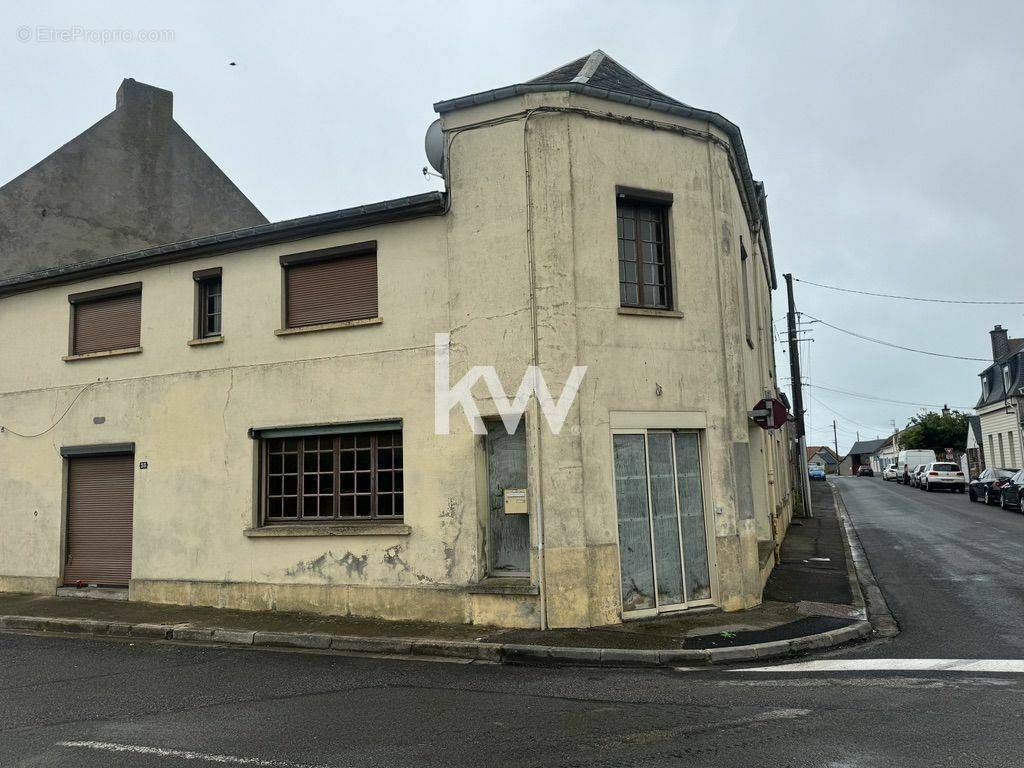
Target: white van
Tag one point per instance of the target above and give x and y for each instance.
(907, 460)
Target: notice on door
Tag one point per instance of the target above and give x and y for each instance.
(515, 501)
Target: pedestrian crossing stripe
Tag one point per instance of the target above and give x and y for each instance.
(894, 665)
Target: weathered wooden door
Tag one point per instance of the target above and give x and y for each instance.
(508, 535)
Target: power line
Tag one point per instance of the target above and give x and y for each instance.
(884, 399)
(904, 298)
(841, 416)
(58, 421)
(897, 346)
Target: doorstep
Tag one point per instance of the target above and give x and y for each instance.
(94, 593)
(504, 585)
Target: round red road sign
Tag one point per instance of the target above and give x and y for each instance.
(770, 413)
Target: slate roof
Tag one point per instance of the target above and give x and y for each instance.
(993, 375)
(867, 446)
(399, 209)
(975, 423)
(599, 70)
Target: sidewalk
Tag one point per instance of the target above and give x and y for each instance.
(812, 600)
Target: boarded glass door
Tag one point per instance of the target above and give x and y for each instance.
(663, 550)
(508, 524)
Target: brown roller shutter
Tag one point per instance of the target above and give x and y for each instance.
(331, 291)
(105, 324)
(99, 530)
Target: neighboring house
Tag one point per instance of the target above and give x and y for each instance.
(863, 453)
(133, 180)
(999, 408)
(822, 454)
(975, 447)
(887, 454)
(248, 420)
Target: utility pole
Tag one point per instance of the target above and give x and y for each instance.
(835, 438)
(798, 397)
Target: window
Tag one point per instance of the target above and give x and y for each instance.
(333, 285)
(744, 272)
(332, 477)
(1002, 454)
(644, 268)
(991, 449)
(106, 320)
(208, 303)
(1013, 448)
(1006, 379)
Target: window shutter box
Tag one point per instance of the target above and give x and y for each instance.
(107, 324)
(331, 291)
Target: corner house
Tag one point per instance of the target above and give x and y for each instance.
(247, 420)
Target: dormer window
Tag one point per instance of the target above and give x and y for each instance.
(985, 386)
(1006, 379)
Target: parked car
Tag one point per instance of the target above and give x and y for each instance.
(891, 473)
(865, 472)
(943, 475)
(1012, 492)
(816, 472)
(987, 485)
(915, 475)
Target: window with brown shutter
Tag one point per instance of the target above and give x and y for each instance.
(106, 320)
(333, 285)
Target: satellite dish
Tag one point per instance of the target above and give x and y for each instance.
(433, 143)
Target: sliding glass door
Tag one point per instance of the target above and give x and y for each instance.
(663, 551)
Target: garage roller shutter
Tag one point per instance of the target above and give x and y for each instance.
(99, 530)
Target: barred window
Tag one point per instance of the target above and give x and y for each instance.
(323, 478)
(644, 269)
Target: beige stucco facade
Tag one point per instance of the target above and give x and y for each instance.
(521, 268)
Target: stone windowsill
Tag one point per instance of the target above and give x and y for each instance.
(339, 529)
(644, 312)
(205, 341)
(328, 326)
(104, 353)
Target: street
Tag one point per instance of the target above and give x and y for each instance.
(950, 570)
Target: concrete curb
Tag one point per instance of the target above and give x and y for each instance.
(866, 594)
(474, 651)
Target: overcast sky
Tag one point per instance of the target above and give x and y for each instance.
(889, 136)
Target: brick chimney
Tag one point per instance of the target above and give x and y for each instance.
(1000, 343)
(144, 100)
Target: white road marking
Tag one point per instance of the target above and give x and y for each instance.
(184, 754)
(896, 665)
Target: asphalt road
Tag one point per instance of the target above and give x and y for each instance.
(947, 569)
(952, 571)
